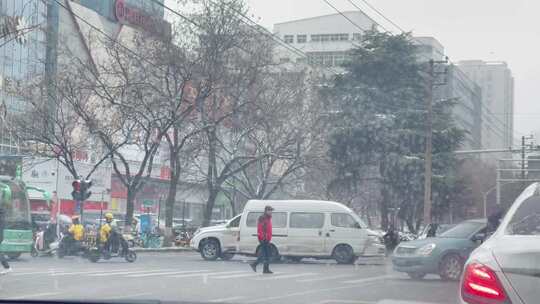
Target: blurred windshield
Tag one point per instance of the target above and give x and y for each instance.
(262, 152)
(463, 230)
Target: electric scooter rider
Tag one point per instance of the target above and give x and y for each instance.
(75, 236)
(110, 237)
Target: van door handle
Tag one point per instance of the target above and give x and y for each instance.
(328, 234)
(332, 230)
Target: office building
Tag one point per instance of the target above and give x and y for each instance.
(497, 83)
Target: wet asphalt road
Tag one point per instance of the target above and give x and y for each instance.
(185, 277)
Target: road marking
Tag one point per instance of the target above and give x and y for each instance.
(132, 296)
(36, 295)
(90, 273)
(164, 273)
(206, 274)
(377, 278)
(287, 276)
(327, 278)
(230, 299)
(104, 273)
(242, 275)
(312, 291)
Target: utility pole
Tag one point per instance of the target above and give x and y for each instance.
(431, 83)
(429, 144)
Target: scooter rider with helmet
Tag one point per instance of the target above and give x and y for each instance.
(109, 236)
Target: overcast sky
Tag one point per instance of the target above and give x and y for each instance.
(494, 30)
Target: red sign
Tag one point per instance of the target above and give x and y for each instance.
(126, 14)
(165, 173)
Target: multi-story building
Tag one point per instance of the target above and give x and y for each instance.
(325, 40)
(19, 60)
(497, 83)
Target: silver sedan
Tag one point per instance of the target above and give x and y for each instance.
(506, 267)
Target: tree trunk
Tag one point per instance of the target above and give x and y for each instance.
(130, 207)
(384, 209)
(169, 209)
(209, 207)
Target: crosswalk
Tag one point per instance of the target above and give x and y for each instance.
(190, 274)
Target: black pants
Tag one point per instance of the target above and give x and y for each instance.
(3, 261)
(264, 254)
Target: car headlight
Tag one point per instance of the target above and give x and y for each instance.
(426, 249)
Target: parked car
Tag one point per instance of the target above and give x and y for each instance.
(443, 255)
(506, 267)
(301, 228)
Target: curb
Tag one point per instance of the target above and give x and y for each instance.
(165, 249)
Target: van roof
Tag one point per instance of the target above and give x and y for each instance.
(296, 205)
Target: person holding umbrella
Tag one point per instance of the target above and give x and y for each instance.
(264, 233)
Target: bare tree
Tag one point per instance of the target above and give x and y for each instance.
(287, 124)
(49, 127)
(234, 58)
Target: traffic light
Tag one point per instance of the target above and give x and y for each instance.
(85, 190)
(81, 190)
(76, 193)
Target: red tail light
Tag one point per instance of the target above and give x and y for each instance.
(481, 286)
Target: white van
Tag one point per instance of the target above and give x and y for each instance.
(301, 228)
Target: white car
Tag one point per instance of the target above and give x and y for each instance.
(506, 267)
(301, 228)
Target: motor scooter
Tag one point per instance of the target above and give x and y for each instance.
(116, 247)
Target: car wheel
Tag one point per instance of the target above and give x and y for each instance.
(451, 267)
(210, 250)
(416, 275)
(343, 254)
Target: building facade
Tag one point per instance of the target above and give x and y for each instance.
(18, 61)
(325, 40)
(497, 84)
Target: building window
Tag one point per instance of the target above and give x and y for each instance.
(301, 38)
(356, 36)
(327, 59)
(329, 37)
(284, 60)
(288, 38)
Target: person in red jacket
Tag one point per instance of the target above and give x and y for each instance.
(264, 233)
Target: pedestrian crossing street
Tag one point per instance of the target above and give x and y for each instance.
(191, 274)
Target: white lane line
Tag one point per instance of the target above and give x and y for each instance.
(132, 296)
(287, 276)
(230, 299)
(312, 291)
(242, 275)
(207, 274)
(327, 278)
(105, 273)
(377, 278)
(37, 272)
(90, 273)
(36, 295)
(165, 273)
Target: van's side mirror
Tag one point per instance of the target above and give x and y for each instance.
(357, 226)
